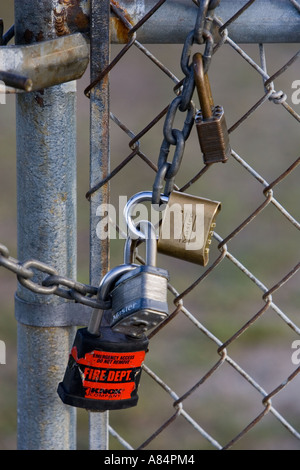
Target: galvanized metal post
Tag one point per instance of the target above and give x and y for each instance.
(46, 173)
(99, 169)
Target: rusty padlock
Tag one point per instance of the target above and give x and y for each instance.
(210, 120)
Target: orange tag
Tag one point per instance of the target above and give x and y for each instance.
(109, 375)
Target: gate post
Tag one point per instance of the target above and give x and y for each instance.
(99, 169)
(46, 179)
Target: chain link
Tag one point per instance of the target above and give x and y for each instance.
(70, 290)
(55, 284)
(201, 34)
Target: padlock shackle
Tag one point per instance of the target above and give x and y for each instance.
(203, 86)
(105, 287)
(129, 250)
(110, 278)
(142, 196)
(148, 230)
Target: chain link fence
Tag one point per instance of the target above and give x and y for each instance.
(222, 371)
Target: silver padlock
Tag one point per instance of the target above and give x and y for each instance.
(106, 286)
(139, 297)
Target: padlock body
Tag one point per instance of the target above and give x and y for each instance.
(139, 300)
(103, 372)
(187, 227)
(213, 136)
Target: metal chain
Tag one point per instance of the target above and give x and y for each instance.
(201, 35)
(86, 294)
(70, 290)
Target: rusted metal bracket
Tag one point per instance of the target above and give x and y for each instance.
(47, 63)
(44, 64)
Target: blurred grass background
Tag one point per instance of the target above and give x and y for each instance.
(268, 247)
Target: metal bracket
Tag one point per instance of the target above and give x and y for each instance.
(44, 315)
(44, 64)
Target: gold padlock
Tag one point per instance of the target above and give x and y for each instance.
(187, 227)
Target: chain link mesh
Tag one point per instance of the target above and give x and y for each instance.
(219, 373)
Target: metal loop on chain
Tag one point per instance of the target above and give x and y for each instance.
(159, 183)
(76, 291)
(187, 91)
(55, 280)
(202, 35)
(188, 123)
(33, 286)
(163, 153)
(13, 265)
(4, 251)
(178, 154)
(200, 21)
(94, 303)
(187, 68)
(186, 53)
(208, 51)
(203, 19)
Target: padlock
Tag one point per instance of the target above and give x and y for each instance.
(187, 224)
(187, 227)
(139, 297)
(210, 120)
(104, 366)
(103, 370)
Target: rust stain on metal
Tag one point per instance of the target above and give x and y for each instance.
(28, 36)
(40, 36)
(120, 30)
(117, 24)
(82, 21)
(39, 98)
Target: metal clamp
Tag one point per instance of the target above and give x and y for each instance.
(44, 64)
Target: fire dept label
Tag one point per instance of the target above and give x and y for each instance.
(109, 375)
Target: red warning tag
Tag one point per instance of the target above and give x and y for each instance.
(109, 375)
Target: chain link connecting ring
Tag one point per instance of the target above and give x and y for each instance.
(201, 34)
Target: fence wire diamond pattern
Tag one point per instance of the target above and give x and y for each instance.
(183, 399)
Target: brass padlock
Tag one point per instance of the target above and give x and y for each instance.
(210, 120)
(187, 227)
